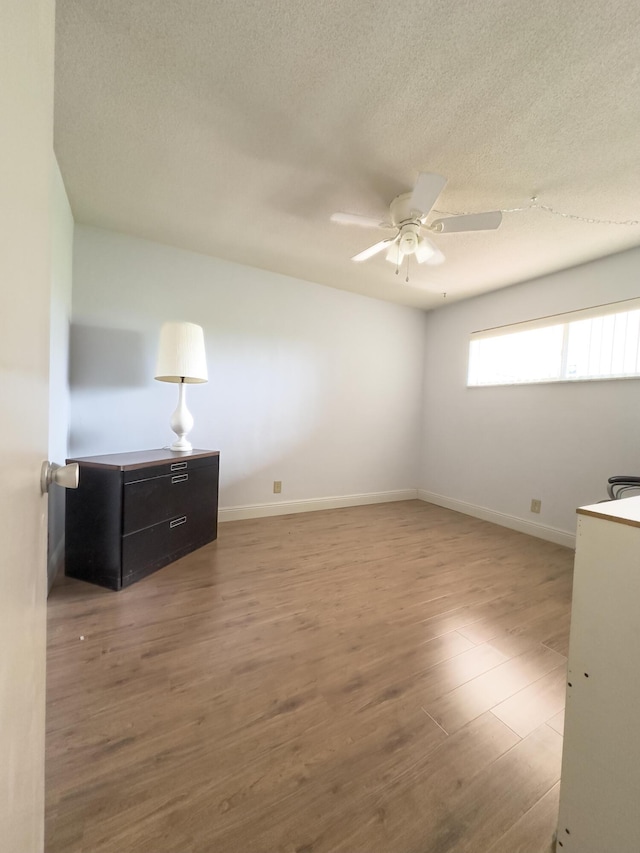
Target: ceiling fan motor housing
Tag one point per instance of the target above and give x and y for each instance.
(402, 211)
(409, 238)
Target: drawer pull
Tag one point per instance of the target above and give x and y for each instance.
(178, 521)
(179, 478)
(178, 466)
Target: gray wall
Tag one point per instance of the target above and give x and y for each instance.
(493, 449)
(339, 395)
(316, 387)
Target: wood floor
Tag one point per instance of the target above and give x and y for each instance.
(380, 679)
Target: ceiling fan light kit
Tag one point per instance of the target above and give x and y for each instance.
(408, 218)
(394, 255)
(426, 252)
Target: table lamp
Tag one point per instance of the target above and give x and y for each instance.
(181, 359)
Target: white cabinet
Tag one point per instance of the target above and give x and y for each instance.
(600, 786)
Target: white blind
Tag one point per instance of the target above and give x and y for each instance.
(595, 343)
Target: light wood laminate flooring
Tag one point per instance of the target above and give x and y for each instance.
(386, 678)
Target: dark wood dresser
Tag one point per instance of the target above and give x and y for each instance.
(133, 513)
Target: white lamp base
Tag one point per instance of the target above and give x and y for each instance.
(181, 422)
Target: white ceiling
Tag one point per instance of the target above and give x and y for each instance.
(236, 128)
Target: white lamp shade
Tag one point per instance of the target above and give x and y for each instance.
(181, 355)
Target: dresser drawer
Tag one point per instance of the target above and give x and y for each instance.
(180, 465)
(147, 502)
(153, 547)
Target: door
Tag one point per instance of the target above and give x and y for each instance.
(26, 142)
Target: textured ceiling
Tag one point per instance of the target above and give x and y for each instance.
(236, 128)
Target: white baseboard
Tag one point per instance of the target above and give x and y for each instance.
(235, 513)
(551, 534)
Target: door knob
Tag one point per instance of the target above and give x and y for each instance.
(67, 476)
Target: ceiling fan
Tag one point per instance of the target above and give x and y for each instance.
(408, 216)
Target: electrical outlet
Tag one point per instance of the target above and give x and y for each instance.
(536, 505)
(277, 488)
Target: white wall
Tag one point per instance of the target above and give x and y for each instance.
(61, 278)
(309, 385)
(496, 448)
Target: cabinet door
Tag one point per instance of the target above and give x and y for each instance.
(600, 784)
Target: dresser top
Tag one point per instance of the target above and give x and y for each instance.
(140, 458)
(624, 511)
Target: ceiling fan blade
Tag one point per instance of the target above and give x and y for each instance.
(468, 222)
(356, 219)
(372, 250)
(427, 253)
(427, 189)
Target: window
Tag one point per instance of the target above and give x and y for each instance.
(596, 343)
